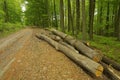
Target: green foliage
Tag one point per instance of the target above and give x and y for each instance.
(8, 28)
(108, 45)
(37, 13)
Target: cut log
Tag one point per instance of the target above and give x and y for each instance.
(79, 46)
(69, 46)
(111, 62)
(58, 39)
(83, 61)
(110, 72)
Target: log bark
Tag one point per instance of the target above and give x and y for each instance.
(60, 40)
(110, 72)
(83, 61)
(111, 62)
(69, 46)
(79, 46)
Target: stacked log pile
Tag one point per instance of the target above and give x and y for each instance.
(80, 53)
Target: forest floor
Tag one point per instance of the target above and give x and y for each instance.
(30, 58)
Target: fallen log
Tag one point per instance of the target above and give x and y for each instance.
(58, 39)
(69, 46)
(79, 46)
(111, 62)
(83, 61)
(110, 72)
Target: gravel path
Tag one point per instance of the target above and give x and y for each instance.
(38, 60)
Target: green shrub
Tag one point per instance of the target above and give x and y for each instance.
(7, 28)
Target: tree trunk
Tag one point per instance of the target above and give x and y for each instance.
(62, 15)
(108, 70)
(77, 16)
(73, 18)
(84, 29)
(6, 11)
(119, 23)
(100, 19)
(69, 16)
(107, 20)
(116, 19)
(91, 18)
(55, 14)
(111, 62)
(79, 46)
(83, 61)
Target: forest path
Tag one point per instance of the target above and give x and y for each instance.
(30, 58)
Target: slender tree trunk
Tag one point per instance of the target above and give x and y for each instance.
(99, 17)
(55, 14)
(77, 16)
(46, 18)
(91, 18)
(73, 18)
(62, 15)
(107, 20)
(69, 15)
(118, 22)
(84, 32)
(6, 11)
(116, 19)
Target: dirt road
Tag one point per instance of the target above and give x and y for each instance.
(29, 58)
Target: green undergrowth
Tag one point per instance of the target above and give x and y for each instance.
(108, 45)
(8, 28)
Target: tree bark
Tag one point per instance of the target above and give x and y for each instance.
(116, 18)
(91, 18)
(69, 16)
(77, 16)
(107, 20)
(99, 17)
(84, 29)
(111, 62)
(79, 46)
(55, 14)
(83, 61)
(62, 15)
(119, 22)
(108, 70)
(6, 11)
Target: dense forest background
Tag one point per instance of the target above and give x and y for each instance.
(96, 21)
(99, 17)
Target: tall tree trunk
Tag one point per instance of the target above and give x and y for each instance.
(107, 20)
(6, 11)
(70, 18)
(73, 17)
(62, 15)
(46, 18)
(118, 22)
(116, 19)
(91, 18)
(99, 17)
(84, 32)
(77, 16)
(69, 15)
(55, 14)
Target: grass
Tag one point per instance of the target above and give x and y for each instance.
(8, 28)
(108, 45)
